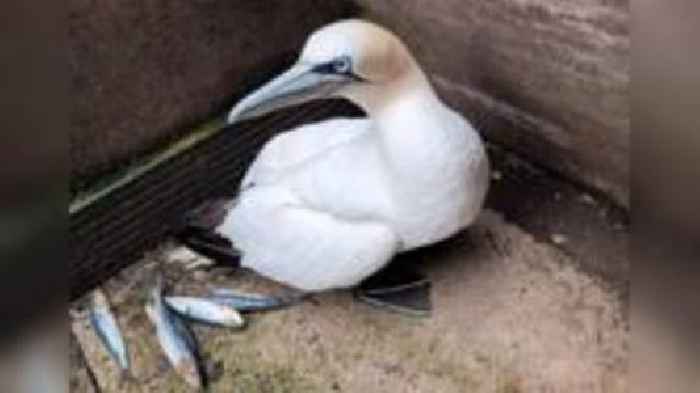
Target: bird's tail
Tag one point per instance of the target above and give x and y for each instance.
(198, 232)
(211, 245)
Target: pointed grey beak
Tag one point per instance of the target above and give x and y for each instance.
(297, 85)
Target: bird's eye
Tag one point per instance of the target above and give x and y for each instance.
(342, 65)
(339, 66)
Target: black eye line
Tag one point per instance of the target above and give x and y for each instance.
(324, 68)
(329, 68)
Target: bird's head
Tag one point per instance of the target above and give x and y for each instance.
(354, 59)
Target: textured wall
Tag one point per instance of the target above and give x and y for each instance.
(546, 78)
(142, 70)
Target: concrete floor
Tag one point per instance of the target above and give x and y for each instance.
(533, 298)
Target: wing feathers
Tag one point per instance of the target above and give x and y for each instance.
(307, 249)
(295, 147)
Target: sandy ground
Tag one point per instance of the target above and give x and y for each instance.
(512, 313)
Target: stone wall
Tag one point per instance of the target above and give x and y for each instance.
(546, 79)
(143, 71)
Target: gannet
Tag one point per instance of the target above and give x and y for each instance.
(327, 205)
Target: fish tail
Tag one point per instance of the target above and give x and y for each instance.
(157, 288)
(154, 299)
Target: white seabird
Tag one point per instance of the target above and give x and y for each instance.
(326, 205)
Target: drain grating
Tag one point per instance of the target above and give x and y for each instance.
(113, 227)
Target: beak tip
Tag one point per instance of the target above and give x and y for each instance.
(231, 118)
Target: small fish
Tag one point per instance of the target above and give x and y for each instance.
(252, 301)
(206, 310)
(107, 329)
(175, 339)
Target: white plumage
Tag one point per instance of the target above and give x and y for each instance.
(325, 205)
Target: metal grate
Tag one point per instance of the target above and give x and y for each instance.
(114, 230)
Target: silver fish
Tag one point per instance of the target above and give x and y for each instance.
(205, 310)
(107, 329)
(252, 301)
(175, 339)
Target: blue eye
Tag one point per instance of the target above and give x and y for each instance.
(342, 65)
